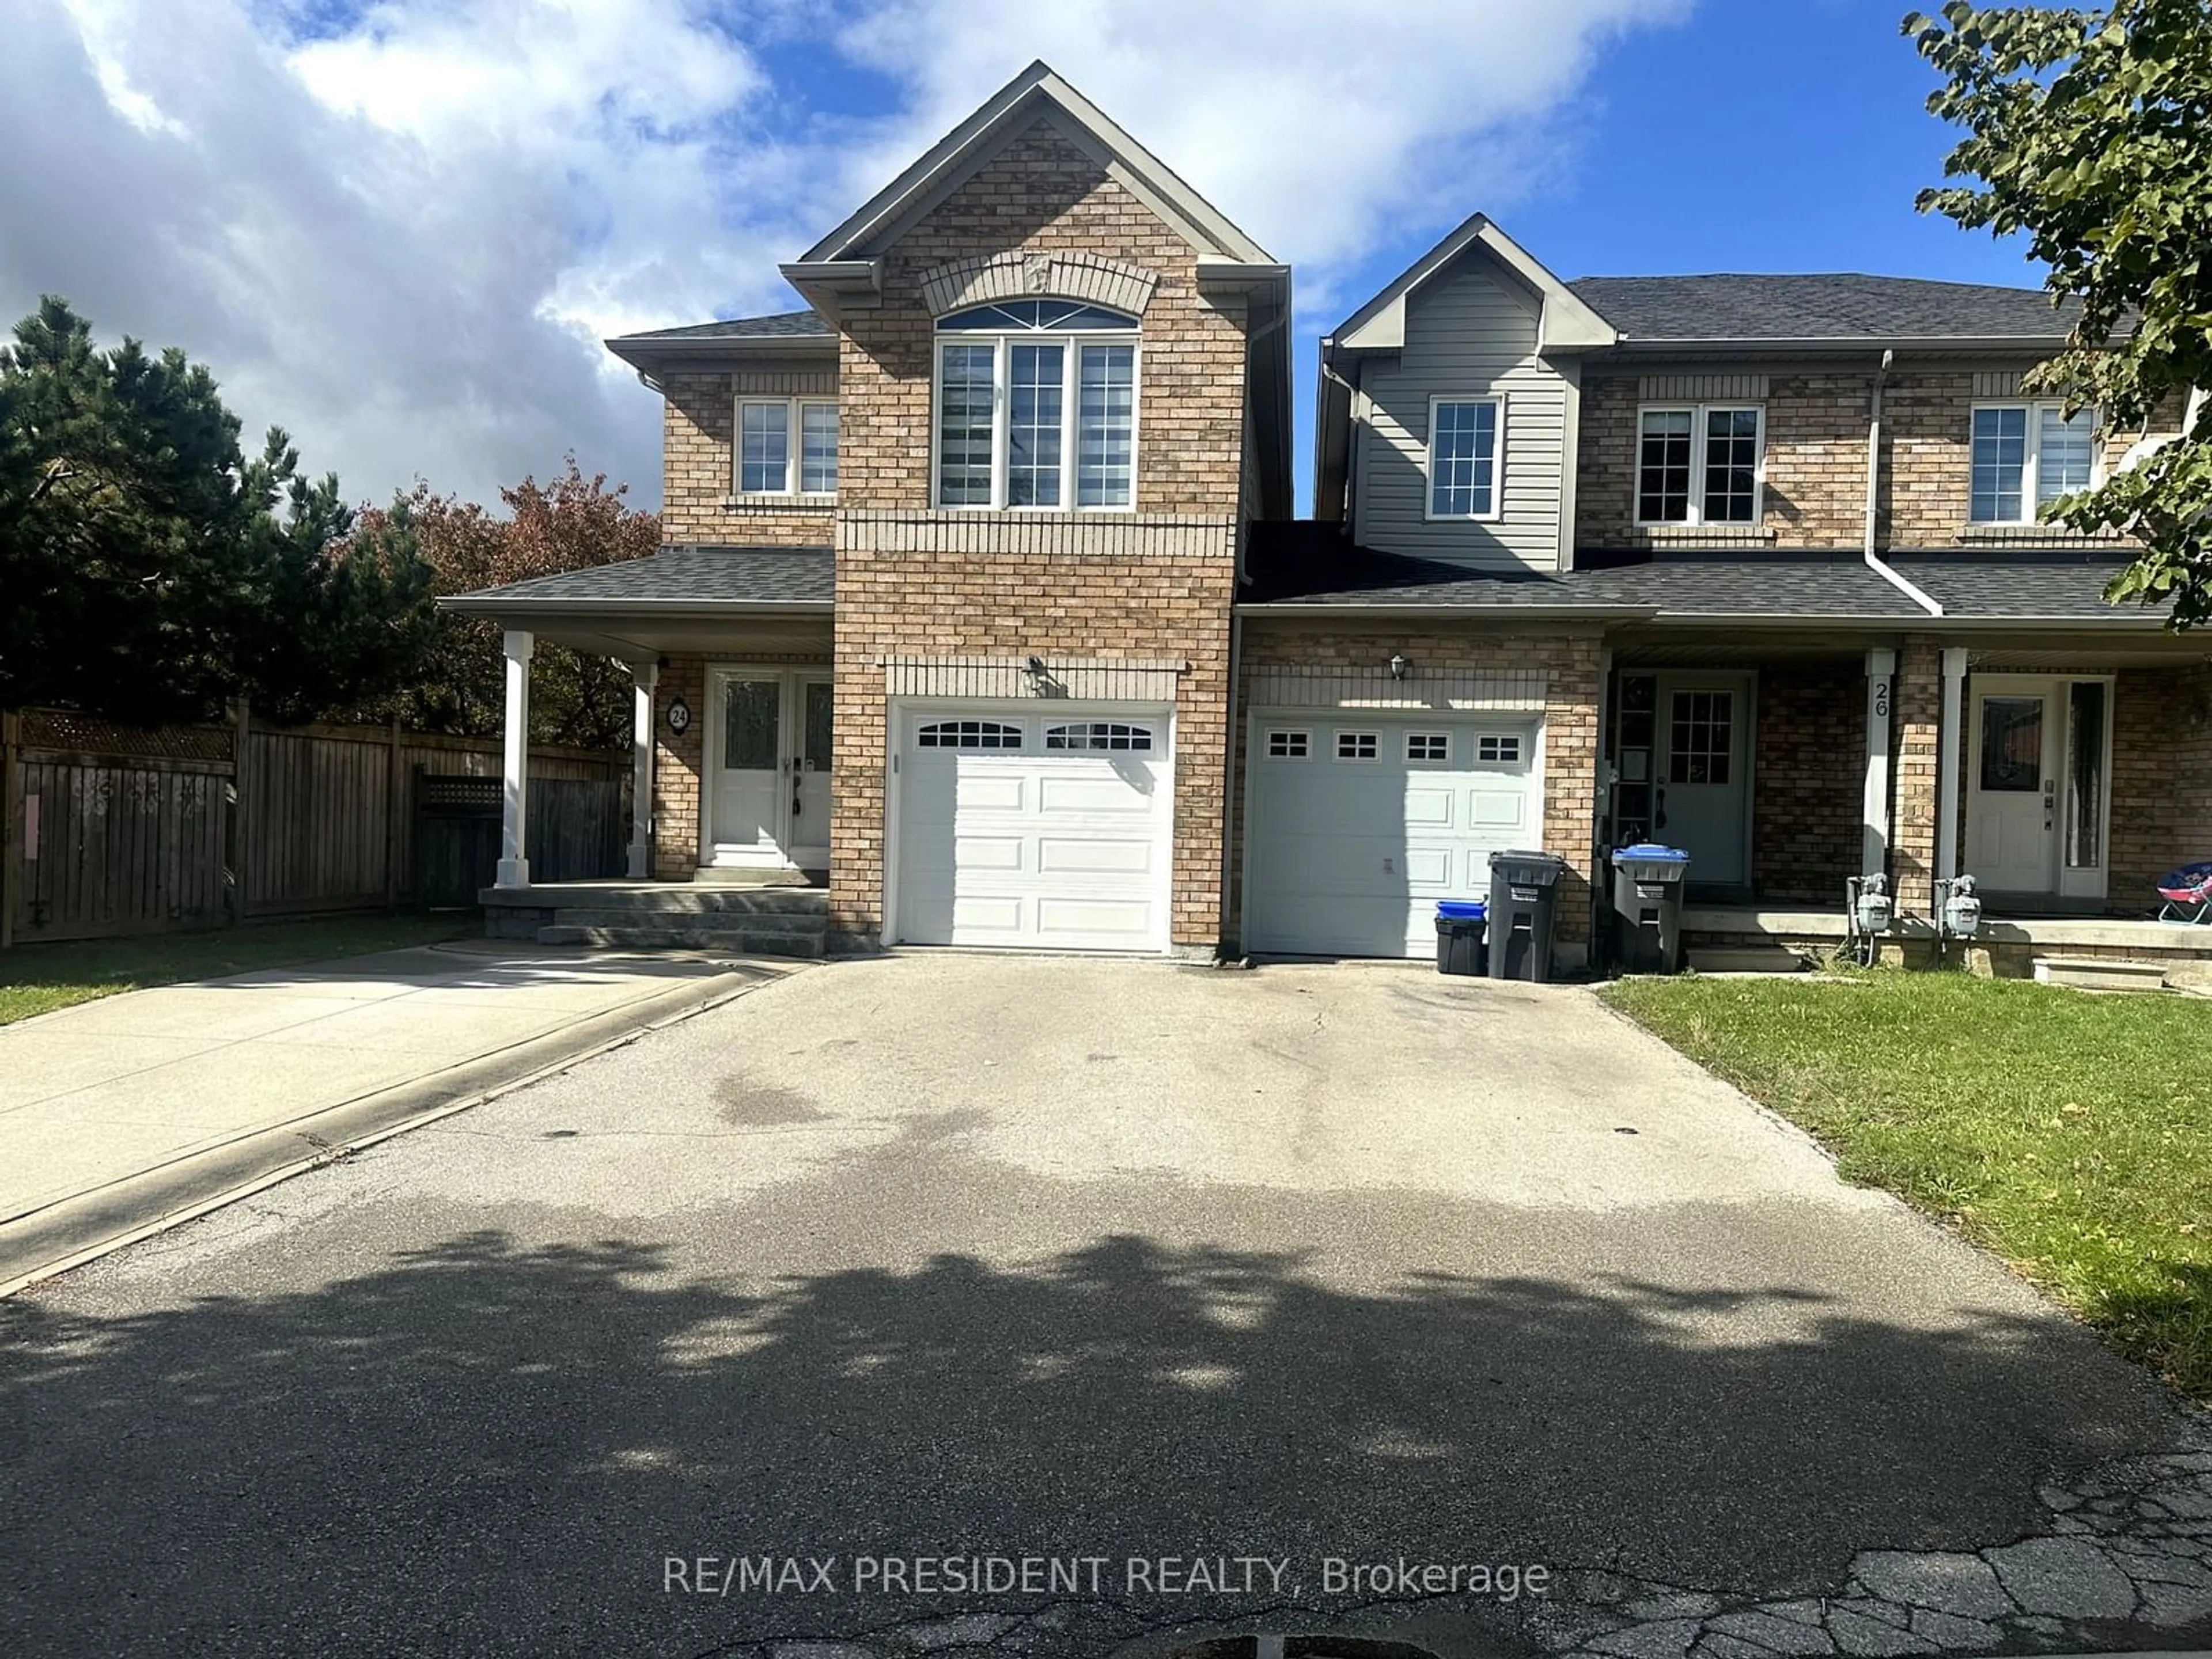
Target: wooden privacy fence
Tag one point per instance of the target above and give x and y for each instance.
(111, 828)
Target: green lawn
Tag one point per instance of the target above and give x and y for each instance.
(35, 978)
(2070, 1133)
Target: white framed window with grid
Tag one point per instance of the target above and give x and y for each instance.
(2027, 455)
(1035, 407)
(1287, 743)
(1467, 457)
(1700, 464)
(785, 446)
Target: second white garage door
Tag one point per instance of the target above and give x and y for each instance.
(1044, 830)
(1359, 825)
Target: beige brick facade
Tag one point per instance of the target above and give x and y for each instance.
(698, 477)
(1567, 659)
(1808, 780)
(1155, 584)
(1816, 458)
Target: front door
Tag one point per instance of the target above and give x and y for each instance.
(2011, 805)
(1703, 785)
(768, 755)
(2036, 785)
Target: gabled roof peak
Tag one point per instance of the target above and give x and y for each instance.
(1000, 118)
(1567, 322)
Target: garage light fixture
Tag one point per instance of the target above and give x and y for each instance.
(1398, 668)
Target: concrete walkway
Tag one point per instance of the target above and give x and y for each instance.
(119, 1115)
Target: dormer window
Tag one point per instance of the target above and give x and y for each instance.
(1037, 407)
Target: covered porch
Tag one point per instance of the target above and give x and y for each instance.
(2063, 770)
(729, 655)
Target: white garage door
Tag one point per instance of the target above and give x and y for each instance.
(1359, 825)
(1049, 831)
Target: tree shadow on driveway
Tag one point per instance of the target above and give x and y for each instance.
(485, 1447)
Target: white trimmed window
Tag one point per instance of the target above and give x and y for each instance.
(1428, 746)
(1036, 407)
(1492, 750)
(1700, 464)
(1289, 746)
(969, 734)
(2026, 456)
(786, 446)
(1466, 439)
(1100, 734)
(1358, 746)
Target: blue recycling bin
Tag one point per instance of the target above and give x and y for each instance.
(1647, 907)
(1460, 926)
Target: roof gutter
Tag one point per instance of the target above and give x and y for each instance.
(1770, 345)
(1873, 560)
(490, 605)
(1348, 611)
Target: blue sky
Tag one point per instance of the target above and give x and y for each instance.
(401, 227)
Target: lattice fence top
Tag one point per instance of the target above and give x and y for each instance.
(64, 729)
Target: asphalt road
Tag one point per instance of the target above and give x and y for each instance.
(917, 1261)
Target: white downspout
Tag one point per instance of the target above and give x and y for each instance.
(1874, 561)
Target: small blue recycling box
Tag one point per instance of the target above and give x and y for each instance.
(1460, 926)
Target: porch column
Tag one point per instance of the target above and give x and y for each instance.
(1950, 741)
(514, 809)
(644, 677)
(1873, 806)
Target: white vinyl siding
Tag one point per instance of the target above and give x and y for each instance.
(1469, 338)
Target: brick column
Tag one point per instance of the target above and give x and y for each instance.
(676, 770)
(1917, 707)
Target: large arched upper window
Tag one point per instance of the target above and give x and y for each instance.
(1037, 407)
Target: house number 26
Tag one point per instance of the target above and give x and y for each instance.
(1881, 700)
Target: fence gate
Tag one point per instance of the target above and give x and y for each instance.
(576, 833)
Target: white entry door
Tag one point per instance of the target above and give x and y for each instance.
(2038, 765)
(1700, 803)
(2012, 801)
(1044, 830)
(1357, 824)
(767, 755)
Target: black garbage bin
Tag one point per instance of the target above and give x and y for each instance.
(1524, 889)
(1647, 907)
(1459, 935)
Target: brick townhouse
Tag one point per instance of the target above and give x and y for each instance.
(984, 618)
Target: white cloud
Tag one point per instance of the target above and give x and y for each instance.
(401, 226)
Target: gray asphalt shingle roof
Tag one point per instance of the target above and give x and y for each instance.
(709, 574)
(1729, 584)
(2019, 583)
(781, 325)
(1842, 306)
(1310, 563)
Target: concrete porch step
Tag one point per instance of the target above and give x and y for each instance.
(2101, 973)
(699, 901)
(738, 940)
(813, 920)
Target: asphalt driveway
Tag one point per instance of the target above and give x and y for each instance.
(1057, 1261)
